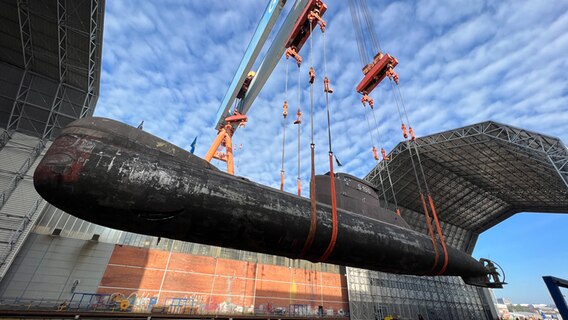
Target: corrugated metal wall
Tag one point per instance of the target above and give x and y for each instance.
(20, 206)
(48, 266)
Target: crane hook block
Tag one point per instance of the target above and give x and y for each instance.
(293, 52)
(298, 117)
(376, 71)
(326, 87)
(375, 154)
(285, 111)
(384, 154)
(412, 136)
(404, 133)
(312, 75)
(392, 75)
(366, 99)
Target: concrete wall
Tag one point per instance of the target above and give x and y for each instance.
(47, 266)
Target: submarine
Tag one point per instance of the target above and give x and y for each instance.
(121, 177)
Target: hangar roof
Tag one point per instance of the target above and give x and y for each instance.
(480, 175)
(50, 61)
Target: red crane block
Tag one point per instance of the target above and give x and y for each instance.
(301, 31)
(375, 72)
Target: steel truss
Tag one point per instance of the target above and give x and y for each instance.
(90, 97)
(482, 174)
(51, 122)
(21, 98)
(25, 82)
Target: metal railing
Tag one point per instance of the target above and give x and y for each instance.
(90, 303)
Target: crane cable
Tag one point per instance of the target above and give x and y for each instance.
(429, 195)
(376, 156)
(358, 33)
(386, 159)
(334, 220)
(421, 193)
(299, 122)
(285, 115)
(359, 11)
(430, 200)
(313, 206)
(375, 45)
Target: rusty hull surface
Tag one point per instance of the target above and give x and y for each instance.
(121, 177)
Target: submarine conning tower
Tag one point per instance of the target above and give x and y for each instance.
(356, 195)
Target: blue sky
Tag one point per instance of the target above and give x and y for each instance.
(169, 63)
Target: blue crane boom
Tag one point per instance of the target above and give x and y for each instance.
(271, 13)
(276, 50)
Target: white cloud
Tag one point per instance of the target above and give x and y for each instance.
(461, 62)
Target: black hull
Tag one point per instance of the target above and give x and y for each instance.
(118, 176)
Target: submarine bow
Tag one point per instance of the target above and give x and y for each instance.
(118, 176)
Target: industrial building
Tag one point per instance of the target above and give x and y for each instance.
(50, 62)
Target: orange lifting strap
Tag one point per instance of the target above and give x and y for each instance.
(313, 208)
(430, 232)
(439, 229)
(334, 221)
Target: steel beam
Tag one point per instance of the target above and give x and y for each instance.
(51, 122)
(273, 55)
(553, 284)
(25, 32)
(90, 97)
(25, 81)
(60, 114)
(259, 37)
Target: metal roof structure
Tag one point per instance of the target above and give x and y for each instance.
(479, 175)
(50, 61)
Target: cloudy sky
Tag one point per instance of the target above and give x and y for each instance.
(170, 63)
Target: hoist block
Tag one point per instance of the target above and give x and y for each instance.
(301, 30)
(376, 72)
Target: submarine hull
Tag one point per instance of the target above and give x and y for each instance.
(115, 175)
